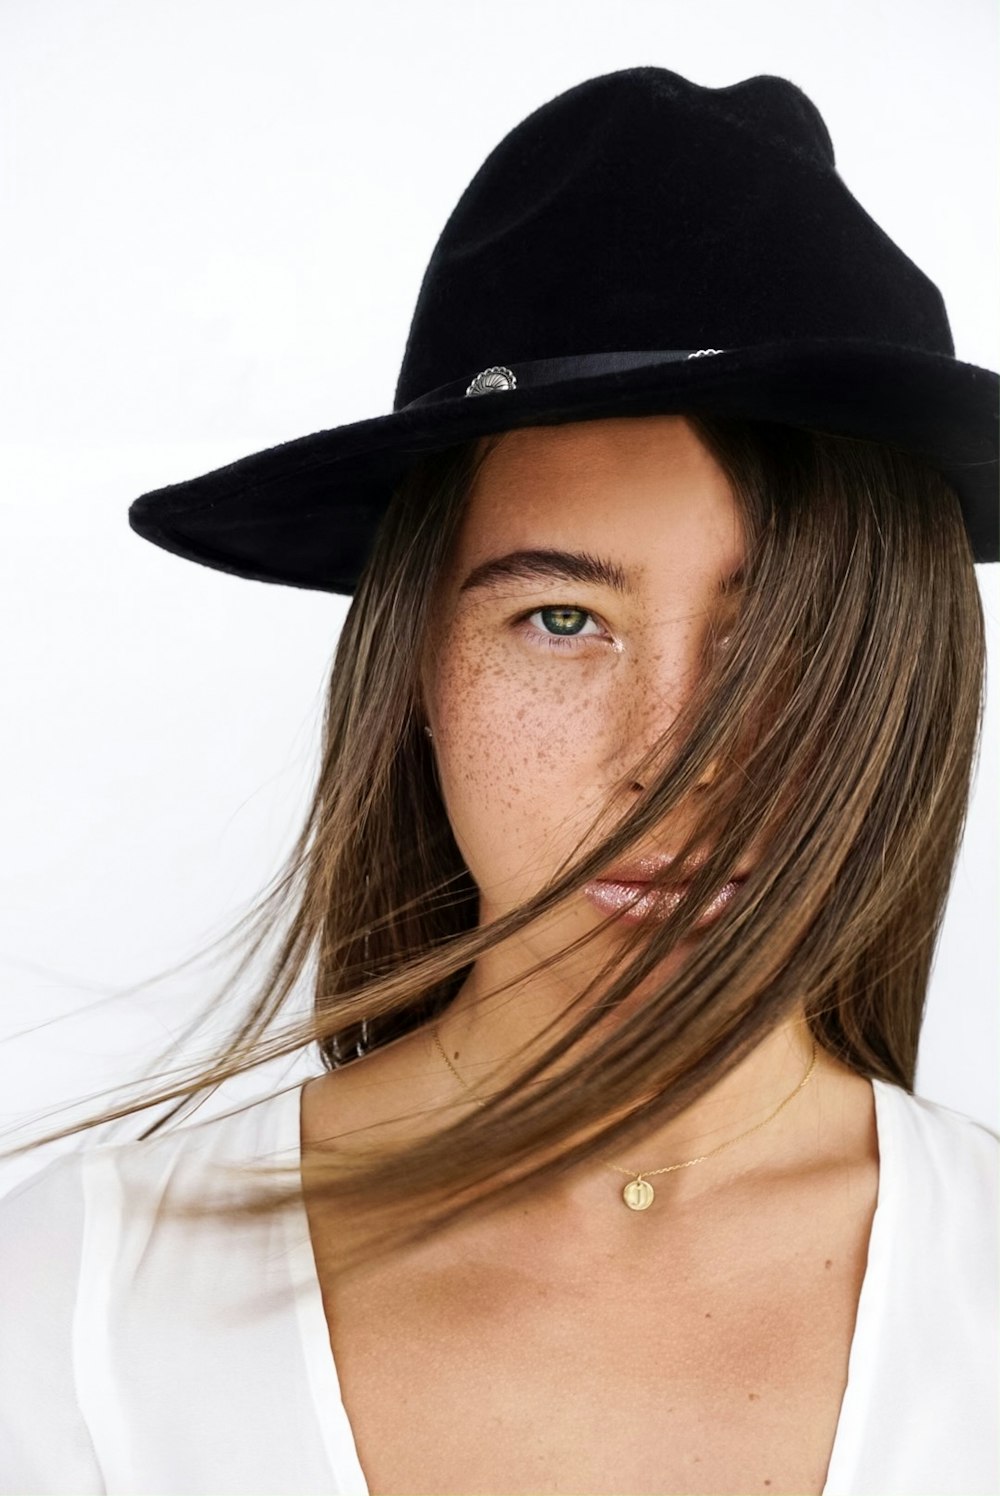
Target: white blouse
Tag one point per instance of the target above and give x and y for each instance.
(144, 1357)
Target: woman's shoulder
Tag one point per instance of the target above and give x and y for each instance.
(93, 1266)
(46, 1206)
(943, 1170)
(941, 1132)
(54, 1198)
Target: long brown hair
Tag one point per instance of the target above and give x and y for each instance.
(843, 718)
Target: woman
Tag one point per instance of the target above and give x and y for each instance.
(646, 759)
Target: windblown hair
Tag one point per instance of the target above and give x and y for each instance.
(843, 718)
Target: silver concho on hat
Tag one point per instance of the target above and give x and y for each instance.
(497, 378)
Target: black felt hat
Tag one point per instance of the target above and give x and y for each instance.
(639, 244)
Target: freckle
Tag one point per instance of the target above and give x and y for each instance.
(828, 1262)
(708, 1316)
(767, 1483)
(754, 1396)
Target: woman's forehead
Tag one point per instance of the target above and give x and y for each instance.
(636, 486)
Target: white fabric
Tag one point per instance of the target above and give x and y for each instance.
(146, 1358)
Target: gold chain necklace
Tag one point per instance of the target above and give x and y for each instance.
(639, 1194)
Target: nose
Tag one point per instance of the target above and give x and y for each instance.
(652, 689)
(702, 783)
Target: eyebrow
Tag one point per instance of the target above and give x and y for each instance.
(566, 566)
(545, 565)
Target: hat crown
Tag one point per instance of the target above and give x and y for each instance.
(639, 210)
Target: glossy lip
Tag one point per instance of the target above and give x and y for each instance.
(636, 902)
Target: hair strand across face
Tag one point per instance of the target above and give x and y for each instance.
(843, 717)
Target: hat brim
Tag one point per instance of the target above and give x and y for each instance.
(304, 513)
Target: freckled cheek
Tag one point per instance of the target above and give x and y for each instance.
(515, 748)
(496, 710)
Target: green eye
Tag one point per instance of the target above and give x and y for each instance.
(560, 627)
(562, 619)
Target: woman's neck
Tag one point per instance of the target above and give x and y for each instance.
(488, 1041)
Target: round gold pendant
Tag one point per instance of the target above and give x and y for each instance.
(638, 1194)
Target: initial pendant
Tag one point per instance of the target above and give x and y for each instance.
(638, 1194)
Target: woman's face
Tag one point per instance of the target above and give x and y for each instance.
(546, 686)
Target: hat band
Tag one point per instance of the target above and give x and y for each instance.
(540, 371)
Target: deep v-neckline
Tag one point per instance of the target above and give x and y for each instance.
(348, 1477)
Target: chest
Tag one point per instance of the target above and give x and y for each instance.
(722, 1371)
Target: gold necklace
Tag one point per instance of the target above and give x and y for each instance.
(639, 1194)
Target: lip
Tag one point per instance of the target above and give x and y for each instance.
(635, 901)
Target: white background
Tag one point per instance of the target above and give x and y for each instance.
(216, 216)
